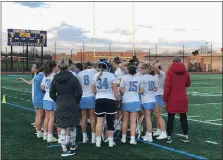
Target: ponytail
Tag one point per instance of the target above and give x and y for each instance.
(100, 74)
(132, 69)
(40, 67)
(48, 67)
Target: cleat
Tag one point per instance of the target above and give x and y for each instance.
(169, 140)
(162, 136)
(67, 153)
(52, 139)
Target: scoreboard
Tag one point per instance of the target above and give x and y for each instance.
(20, 37)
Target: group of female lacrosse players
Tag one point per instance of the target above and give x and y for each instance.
(117, 93)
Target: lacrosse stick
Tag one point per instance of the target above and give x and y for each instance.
(104, 134)
(115, 126)
(139, 126)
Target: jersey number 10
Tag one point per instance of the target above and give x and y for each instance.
(151, 86)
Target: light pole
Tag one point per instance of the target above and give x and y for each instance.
(183, 54)
(206, 47)
(71, 53)
(156, 51)
(149, 55)
(211, 57)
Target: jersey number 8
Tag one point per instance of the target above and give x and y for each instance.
(86, 80)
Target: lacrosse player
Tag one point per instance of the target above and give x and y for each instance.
(130, 86)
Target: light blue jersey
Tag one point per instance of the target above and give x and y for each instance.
(38, 93)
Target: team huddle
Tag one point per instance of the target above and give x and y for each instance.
(116, 95)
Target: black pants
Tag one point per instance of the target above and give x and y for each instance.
(183, 120)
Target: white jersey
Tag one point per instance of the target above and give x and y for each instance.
(131, 84)
(74, 73)
(160, 80)
(119, 73)
(46, 82)
(149, 84)
(104, 86)
(85, 77)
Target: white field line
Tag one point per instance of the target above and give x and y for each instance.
(179, 117)
(206, 87)
(204, 94)
(214, 120)
(188, 116)
(201, 104)
(23, 100)
(194, 120)
(192, 116)
(211, 142)
(16, 90)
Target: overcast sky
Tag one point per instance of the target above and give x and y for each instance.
(167, 24)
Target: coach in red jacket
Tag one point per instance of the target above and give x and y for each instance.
(175, 97)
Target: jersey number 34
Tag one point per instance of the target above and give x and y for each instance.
(102, 83)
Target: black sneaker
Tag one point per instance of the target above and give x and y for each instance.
(169, 140)
(184, 139)
(73, 147)
(67, 153)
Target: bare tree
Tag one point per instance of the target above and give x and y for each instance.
(180, 52)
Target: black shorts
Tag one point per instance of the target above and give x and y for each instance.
(105, 106)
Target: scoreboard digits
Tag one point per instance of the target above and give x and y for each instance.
(19, 37)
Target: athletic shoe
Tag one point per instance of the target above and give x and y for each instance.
(157, 133)
(59, 140)
(123, 140)
(45, 137)
(133, 142)
(33, 123)
(39, 134)
(85, 139)
(148, 138)
(184, 139)
(67, 153)
(93, 140)
(162, 136)
(52, 139)
(169, 140)
(111, 143)
(98, 143)
(73, 147)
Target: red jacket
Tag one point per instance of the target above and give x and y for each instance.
(175, 93)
